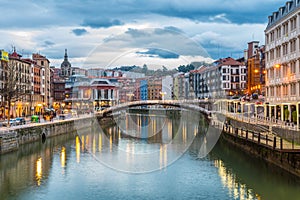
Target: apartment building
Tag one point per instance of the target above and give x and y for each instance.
(282, 37)
(225, 78)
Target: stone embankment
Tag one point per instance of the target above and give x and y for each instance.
(12, 138)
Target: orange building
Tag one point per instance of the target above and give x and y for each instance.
(255, 68)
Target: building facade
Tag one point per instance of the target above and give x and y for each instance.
(45, 74)
(20, 69)
(224, 79)
(66, 67)
(255, 61)
(282, 37)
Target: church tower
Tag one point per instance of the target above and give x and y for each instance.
(66, 68)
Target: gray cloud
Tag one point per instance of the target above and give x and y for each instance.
(79, 31)
(59, 15)
(161, 53)
(48, 43)
(101, 22)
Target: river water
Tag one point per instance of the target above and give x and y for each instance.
(140, 157)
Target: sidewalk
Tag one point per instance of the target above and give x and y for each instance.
(264, 137)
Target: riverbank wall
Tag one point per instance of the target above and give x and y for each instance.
(288, 160)
(12, 138)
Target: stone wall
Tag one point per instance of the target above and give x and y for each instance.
(290, 161)
(11, 139)
(290, 135)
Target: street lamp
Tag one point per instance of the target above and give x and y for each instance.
(277, 65)
(163, 95)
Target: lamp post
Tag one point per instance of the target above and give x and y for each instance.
(163, 95)
(62, 107)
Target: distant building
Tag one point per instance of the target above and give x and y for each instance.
(154, 88)
(78, 71)
(135, 75)
(44, 64)
(144, 89)
(127, 90)
(225, 78)
(66, 68)
(167, 85)
(255, 59)
(57, 88)
(92, 94)
(179, 86)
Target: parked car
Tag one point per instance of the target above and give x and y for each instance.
(12, 122)
(20, 120)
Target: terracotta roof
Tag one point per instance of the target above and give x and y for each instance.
(227, 61)
(15, 55)
(199, 70)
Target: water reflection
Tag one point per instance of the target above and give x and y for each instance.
(38, 174)
(63, 157)
(236, 189)
(227, 173)
(77, 141)
(142, 143)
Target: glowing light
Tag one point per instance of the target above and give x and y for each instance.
(100, 143)
(39, 172)
(277, 65)
(77, 149)
(63, 157)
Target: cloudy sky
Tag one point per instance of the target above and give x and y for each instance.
(100, 33)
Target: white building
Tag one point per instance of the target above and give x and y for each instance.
(282, 37)
(227, 77)
(167, 85)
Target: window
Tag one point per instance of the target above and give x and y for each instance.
(272, 91)
(272, 36)
(278, 32)
(293, 45)
(293, 89)
(285, 29)
(293, 23)
(272, 54)
(278, 91)
(285, 49)
(293, 67)
(278, 52)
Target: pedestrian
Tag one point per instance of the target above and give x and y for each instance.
(226, 125)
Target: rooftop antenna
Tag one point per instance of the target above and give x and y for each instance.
(252, 36)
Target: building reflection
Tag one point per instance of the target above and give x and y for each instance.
(236, 189)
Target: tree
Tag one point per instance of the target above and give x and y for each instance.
(16, 84)
(164, 69)
(145, 69)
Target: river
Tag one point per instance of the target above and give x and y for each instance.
(140, 157)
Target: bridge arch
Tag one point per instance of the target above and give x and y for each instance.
(194, 105)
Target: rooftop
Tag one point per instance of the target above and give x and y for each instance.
(289, 7)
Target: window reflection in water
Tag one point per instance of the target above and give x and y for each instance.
(38, 174)
(163, 156)
(63, 157)
(77, 149)
(100, 143)
(236, 189)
